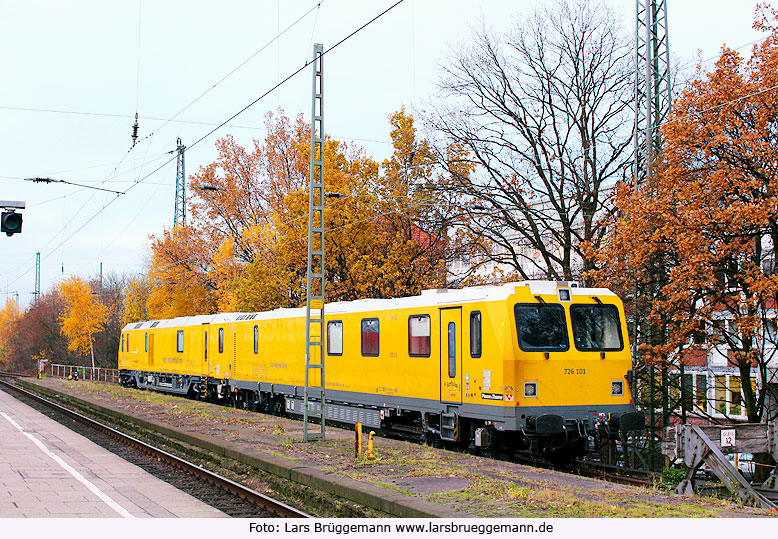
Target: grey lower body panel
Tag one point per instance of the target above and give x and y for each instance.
(342, 413)
(346, 405)
(352, 407)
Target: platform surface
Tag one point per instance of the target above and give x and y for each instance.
(47, 470)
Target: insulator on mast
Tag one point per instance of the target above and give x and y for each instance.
(135, 131)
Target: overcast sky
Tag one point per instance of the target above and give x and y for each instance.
(74, 74)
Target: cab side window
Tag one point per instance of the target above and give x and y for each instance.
(180, 341)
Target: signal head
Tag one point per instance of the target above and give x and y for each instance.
(11, 222)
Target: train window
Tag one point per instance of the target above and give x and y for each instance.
(419, 335)
(475, 334)
(256, 339)
(335, 338)
(122, 342)
(541, 327)
(205, 344)
(221, 340)
(452, 350)
(146, 342)
(180, 340)
(596, 327)
(370, 337)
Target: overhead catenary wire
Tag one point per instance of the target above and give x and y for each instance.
(135, 126)
(135, 136)
(247, 60)
(294, 73)
(209, 133)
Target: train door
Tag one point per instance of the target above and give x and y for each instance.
(451, 355)
(206, 362)
(151, 348)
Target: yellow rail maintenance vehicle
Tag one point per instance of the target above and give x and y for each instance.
(536, 367)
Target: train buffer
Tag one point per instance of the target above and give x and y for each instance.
(698, 445)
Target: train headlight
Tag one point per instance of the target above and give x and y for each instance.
(530, 389)
(617, 388)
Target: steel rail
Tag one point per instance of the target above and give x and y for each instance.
(4, 374)
(251, 496)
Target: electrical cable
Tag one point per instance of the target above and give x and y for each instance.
(293, 74)
(182, 110)
(222, 124)
(154, 118)
(247, 60)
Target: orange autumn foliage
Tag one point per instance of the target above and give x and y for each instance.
(245, 247)
(703, 233)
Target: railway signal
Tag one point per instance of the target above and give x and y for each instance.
(11, 222)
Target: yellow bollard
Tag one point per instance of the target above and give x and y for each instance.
(357, 440)
(370, 454)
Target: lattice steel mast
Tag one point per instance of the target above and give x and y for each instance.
(653, 96)
(179, 217)
(37, 292)
(314, 405)
(653, 100)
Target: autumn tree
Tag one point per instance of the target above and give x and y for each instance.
(9, 316)
(712, 210)
(36, 334)
(83, 315)
(110, 290)
(245, 247)
(178, 279)
(136, 293)
(543, 111)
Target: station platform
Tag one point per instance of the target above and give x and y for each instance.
(47, 470)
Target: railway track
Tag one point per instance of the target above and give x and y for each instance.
(618, 474)
(220, 492)
(5, 374)
(597, 470)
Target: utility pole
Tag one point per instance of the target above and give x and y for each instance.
(179, 217)
(37, 293)
(314, 302)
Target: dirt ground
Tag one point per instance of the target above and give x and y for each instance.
(478, 486)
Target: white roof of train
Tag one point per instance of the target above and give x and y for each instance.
(426, 298)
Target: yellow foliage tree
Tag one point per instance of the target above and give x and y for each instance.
(83, 315)
(135, 298)
(245, 247)
(8, 316)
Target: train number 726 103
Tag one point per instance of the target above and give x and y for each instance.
(575, 371)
